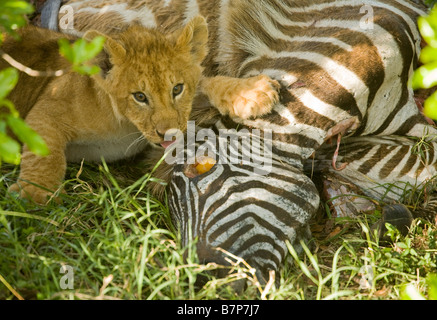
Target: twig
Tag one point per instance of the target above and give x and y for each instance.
(106, 281)
(269, 285)
(29, 71)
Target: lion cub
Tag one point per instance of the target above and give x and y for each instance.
(146, 86)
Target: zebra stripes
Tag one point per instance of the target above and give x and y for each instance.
(355, 84)
(248, 214)
(384, 168)
(343, 68)
(359, 80)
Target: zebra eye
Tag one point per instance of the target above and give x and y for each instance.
(177, 90)
(140, 97)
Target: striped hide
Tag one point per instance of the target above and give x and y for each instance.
(388, 169)
(245, 204)
(343, 66)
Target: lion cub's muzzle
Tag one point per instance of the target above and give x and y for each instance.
(168, 135)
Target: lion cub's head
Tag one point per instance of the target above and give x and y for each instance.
(151, 77)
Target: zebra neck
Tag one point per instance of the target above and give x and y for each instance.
(284, 144)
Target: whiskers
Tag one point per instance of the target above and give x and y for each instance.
(137, 141)
(151, 161)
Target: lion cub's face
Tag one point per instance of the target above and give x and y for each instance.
(152, 78)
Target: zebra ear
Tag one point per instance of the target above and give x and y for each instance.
(195, 36)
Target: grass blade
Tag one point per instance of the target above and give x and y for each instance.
(15, 293)
(29, 216)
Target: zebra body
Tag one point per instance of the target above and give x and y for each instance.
(390, 160)
(385, 168)
(343, 68)
(307, 45)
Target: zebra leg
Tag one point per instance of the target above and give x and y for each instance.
(387, 169)
(346, 199)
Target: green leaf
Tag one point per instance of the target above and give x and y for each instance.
(428, 27)
(80, 52)
(66, 50)
(93, 48)
(28, 136)
(430, 106)
(431, 281)
(10, 150)
(8, 104)
(8, 80)
(410, 292)
(17, 7)
(87, 69)
(427, 30)
(428, 54)
(401, 245)
(12, 15)
(425, 77)
(2, 126)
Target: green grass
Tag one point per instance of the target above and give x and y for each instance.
(121, 244)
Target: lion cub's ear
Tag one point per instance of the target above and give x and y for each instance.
(114, 52)
(195, 35)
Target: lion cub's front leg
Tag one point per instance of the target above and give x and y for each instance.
(39, 174)
(241, 97)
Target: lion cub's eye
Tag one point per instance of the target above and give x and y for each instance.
(140, 97)
(177, 90)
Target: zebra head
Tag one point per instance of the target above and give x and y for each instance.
(234, 210)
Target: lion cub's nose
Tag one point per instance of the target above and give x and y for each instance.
(170, 131)
(160, 133)
(161, 129)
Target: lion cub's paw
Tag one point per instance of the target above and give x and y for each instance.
(34, 193)
(254, 97)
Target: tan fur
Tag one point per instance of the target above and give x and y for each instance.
(83, 117)
(237, 97)
(88, 117)
(242, 98)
